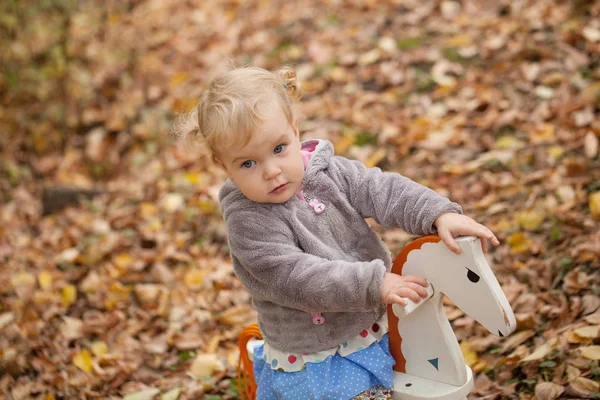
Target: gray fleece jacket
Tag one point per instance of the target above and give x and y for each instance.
(296, 262)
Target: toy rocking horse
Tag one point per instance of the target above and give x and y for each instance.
(429, 362)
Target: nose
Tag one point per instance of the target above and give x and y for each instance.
(271, 171)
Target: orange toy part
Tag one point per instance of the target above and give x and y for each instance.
(245, 370)
(395, 338)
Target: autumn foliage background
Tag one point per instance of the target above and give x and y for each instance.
(129, 292)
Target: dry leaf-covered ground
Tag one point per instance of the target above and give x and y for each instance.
(131, 293)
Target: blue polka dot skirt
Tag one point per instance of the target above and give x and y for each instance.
(337, 377)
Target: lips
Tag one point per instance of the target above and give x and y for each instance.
(279, 188)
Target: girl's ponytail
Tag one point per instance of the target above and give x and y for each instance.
(287, 75)
(186, 126)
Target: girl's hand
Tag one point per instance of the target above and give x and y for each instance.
(450, 225)
(395, 287)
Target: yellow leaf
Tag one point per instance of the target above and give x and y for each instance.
(519, 243)
(69, 295)
(22, 279)
(148, 210)
(155, 225)
(123, 260)
(509, 142)
(194, 278)
(556, 151)
(471, 357)
(375, 158)
(207, 207)
(459, 41)
(213, 345)
(594, 201)
(45, 280)
(119, 289)
(343, 144)
(83, 360)
(590, 352)
(590, 93)
(50, 396)
(480, 366)
(114, 18)
(192, 178)
(99, 348)
(530, 220)
(178, 78)
(543, 134)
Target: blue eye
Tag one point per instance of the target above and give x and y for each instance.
(248, 164)
(279, 149)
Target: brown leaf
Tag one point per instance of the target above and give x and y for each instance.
(591, 303)
(548, 391)
(575, 281)
(583, 386)
(516, 339)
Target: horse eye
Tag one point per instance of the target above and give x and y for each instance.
(473, 277)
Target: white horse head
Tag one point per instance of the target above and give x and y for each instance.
(468, 281)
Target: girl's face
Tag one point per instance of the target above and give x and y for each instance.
(269, 169)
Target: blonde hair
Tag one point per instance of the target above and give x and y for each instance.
(228, 112)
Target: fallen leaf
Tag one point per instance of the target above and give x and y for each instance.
(584, 335)
(470, 356)
(530, 220)
(146, 394)
(519, 243)
(590, 145)
(205, 365)
(72, 328)
(193, 279)
(590, 352)
(516, 339)
(6, 319)
(69, 295)
(593, 318)
(99, 348)
(545, 133)
(83, 360)
(594, 203)
(583, 386)
(45, 280)
(172, 394)
(548, 391)
(572, 373)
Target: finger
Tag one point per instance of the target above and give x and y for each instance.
(484, 245)
(416, 279)
(421, 291)
(395, 299)
(493, 238)
(449, 241)
(408, 293)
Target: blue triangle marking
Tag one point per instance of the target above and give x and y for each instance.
(434, 362)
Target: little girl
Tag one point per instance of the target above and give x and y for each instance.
(295, 216)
